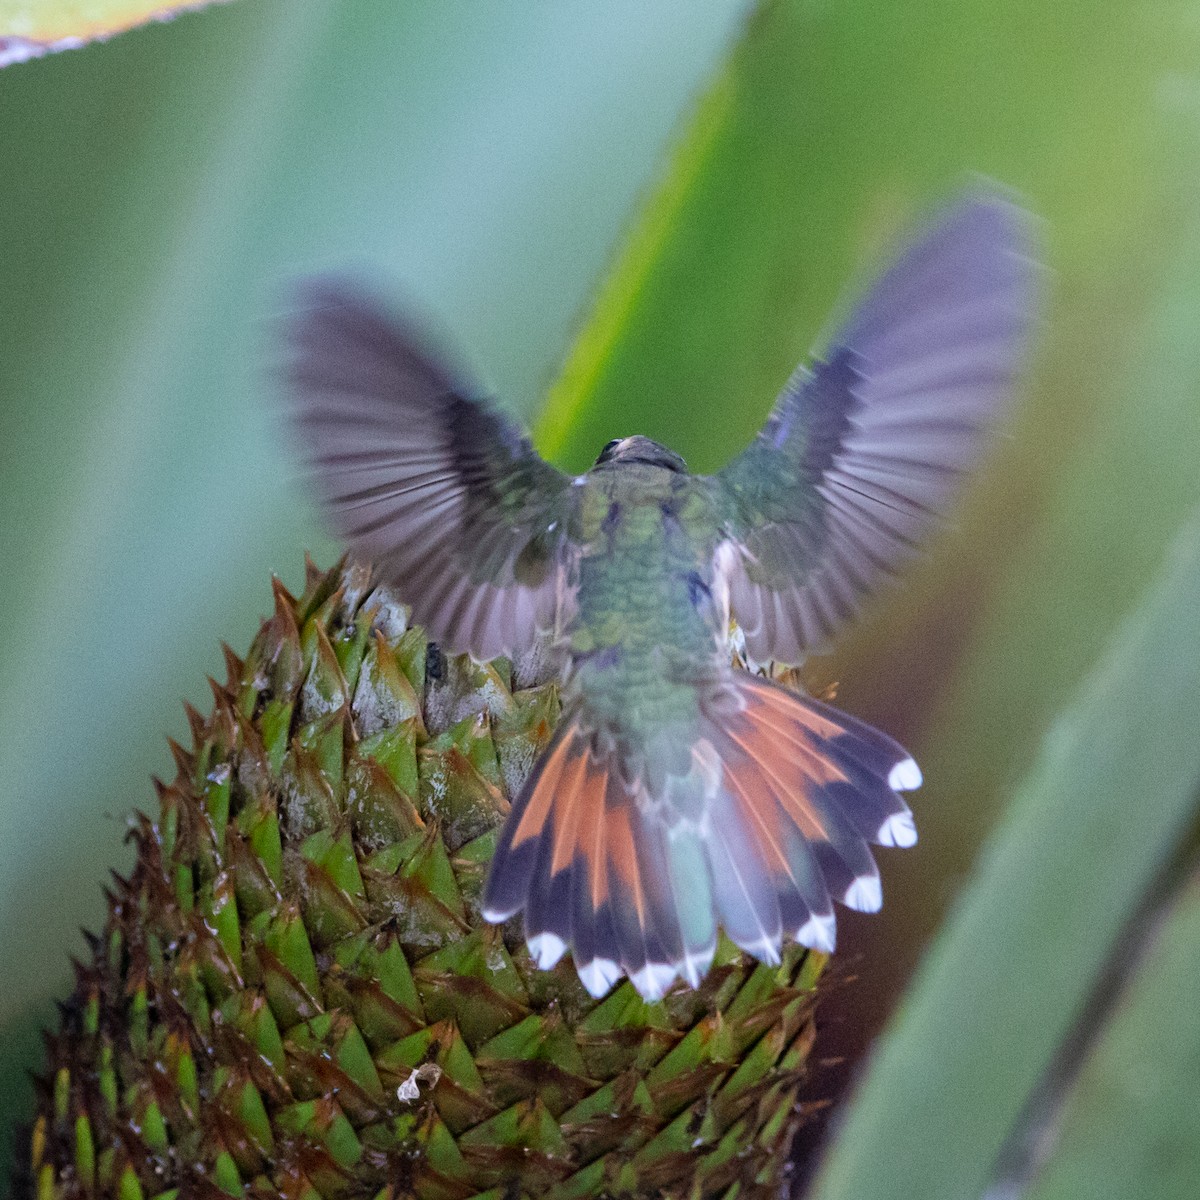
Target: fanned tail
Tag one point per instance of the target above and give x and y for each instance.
(769, 827)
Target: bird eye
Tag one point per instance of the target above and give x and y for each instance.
(608, 452)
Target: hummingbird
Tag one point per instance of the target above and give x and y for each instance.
(680, 793)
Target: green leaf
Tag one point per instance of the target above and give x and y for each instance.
(1111, 794)
(1130, 1125)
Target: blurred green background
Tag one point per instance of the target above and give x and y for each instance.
(483, 161)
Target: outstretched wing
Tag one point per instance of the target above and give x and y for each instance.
(443, 493)
(863, 452)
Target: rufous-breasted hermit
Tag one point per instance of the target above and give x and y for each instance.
(679, 793)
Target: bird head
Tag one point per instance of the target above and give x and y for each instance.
(639, 449)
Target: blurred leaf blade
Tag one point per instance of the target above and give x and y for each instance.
(616, 307)
(1113, 790)
(1130, 1125)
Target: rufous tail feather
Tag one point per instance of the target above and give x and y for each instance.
(771, 825)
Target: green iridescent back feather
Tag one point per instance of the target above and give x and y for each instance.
(641, 640)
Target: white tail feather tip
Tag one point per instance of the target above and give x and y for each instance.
(765, 950)
(653, 980)
(898, 830)
(494, 916)
(695, 966)
(865, 894)
(905, 776)
(546, 949)
(819, 933)
(599, 975)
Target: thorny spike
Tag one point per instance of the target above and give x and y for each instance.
(314, 576)
(220, 695)
(285, 602)
(195, 723)
(184, 760)
(234, 668)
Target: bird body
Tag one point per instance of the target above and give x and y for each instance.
(679, 793)
(648, 630)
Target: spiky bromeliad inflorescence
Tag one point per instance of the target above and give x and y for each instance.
(295, 996)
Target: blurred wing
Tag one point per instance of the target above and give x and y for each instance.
(444, 494)
(863, 452)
